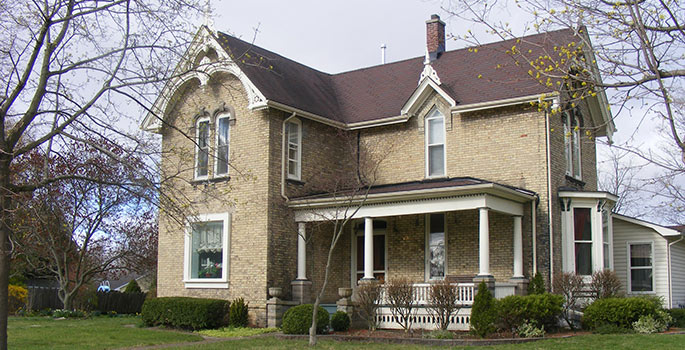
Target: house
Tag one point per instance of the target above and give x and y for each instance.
(481, 183)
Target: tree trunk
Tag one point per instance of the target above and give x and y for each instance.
(5, 247)
(315, 314)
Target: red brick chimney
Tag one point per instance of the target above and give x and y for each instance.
(435, 37)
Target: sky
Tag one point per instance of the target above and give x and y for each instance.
(338, 36)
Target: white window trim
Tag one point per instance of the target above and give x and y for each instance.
(427, 276)
(427, 145)
(569, 241)
(286, 148)
(610, 237)
(207, 282)
(197, 148)
(591, 241)
(225, 115)
(629, 268)
(354, 269)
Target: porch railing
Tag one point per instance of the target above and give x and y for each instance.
(422, 318)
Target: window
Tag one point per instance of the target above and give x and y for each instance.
(435, 246)
(572, 143)
(435, 144)
(640, 257)
(222, 142)
(293, 139)
(202, 148)
(206, 253)
(582, 233)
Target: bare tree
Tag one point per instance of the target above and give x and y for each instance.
(368, 302)
(400, 296)
(632, 49)
(619, 175)
(570, 286)
(72, 68)
(444, 302)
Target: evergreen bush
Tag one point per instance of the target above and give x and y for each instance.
(483, 312)
(238, 313)
(298, 319)
(541, 310)
(132, 287)
(184, 313)
(340, 322)
(537, 285)
(620, 312)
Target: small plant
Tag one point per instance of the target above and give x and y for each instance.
(569, 285)
(483, 312)
(657, 323)
(17, 298)
(59, 313)
(529, 330)
(537, 285)
(132, 287)
(605, 284)
(444, 302)
(400, 294)
(439, 334)
(340, 322)
(298, 319)
(369, 299)
(238, 313)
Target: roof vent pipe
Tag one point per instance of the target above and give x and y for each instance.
(383, 47)
(435, 37)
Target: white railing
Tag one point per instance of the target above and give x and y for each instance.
(421, 318)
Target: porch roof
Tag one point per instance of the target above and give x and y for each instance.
(416, 197)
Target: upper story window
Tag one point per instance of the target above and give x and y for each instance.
(572, 143)
(222, 143)
(606, 238)
(293, 139)
(640, 258)
(435, 143)
(436, 246)
(582, 234)
(202, 148)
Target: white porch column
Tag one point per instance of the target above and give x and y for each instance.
(518, 248)
(301, 251)
(368, 248)
(483, 243)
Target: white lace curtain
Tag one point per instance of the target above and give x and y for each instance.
(207, 237)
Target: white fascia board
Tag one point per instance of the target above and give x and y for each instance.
(301, 113)
(472, 107)
(588, 195)
(421, 93)
(599, 104)
(663, 231)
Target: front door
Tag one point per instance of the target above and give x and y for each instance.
(378, 251)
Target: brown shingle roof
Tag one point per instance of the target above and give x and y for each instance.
(380, 91)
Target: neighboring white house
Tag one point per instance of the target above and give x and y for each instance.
(649, 259)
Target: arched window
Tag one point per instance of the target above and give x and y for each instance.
(572, 143)
(222, 144)
(202, 148)
(435, 143)
(293, 145)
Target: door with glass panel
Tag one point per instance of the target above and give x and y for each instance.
(379, 261)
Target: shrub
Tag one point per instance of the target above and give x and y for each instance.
(605, 284)
(621, 312)
(528, 330)
(121, 303)
(132, 287)
(400, 295)
(298, 319)
(678, 317)
(340, 322)
(439, 334)
(369, 299)
(483, 313)
(541, 310)
(569, 285)
(444, 302)
(184, 313)
(657, 323)
(536, 285)
(237, 315)
(17, 298)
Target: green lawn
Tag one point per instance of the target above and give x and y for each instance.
(594, 342)
(93, 333)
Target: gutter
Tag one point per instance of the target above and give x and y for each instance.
(503, 103)
(670, 267)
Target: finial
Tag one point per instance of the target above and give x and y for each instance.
(208, 22)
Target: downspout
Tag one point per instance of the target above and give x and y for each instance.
(283, 156)
(549, 199)
(534, 233)
(670, 282)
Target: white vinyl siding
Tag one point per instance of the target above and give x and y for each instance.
(625, 233)
(678, 273)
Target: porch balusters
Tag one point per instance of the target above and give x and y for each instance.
(518, 248)
(483, 243)
(368, 248)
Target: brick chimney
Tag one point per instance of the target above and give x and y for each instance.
(435, 37)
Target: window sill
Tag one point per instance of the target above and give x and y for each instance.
(575, 181)
(295, 182)
(206, 283)
(205, 181)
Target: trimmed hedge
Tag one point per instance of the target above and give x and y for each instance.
(620, 312)
(678, 317)
(543, 310)
(298, 319)
(121, 303)
(340, 322)
(185, 313)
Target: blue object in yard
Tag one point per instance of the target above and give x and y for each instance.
(104, 287)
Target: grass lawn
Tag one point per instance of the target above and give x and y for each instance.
(93, 333)
(230, 332)
(594, 342)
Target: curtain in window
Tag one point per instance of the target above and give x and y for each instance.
(222, 145)
(436, 246)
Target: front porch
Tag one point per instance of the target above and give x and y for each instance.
(471, 229)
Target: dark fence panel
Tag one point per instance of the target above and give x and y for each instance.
(121, 303)
(43, 298)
